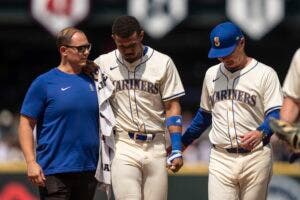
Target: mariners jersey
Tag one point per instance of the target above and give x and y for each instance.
(291, 85)
(239, 101)
(140, 89)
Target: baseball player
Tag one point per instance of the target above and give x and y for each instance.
(289, 112)
(291, 90)
(145, 101)
(239, 96)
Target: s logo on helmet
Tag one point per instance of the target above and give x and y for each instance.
(217, 41)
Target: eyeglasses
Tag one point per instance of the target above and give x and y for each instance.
(82, 48)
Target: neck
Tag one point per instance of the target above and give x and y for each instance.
(139, 56)
(67, 68)
(244, 61)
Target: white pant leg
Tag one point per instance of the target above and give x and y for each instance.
(235, 176)
(126, 171)
(139, 170)
(222, 178)
(155, 179)
(257, 174)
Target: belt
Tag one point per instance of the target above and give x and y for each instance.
(234, 150)
(141, 136)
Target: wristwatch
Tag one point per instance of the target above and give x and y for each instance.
(265, 138)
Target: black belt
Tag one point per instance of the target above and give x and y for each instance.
(234, 150)
(141, 136)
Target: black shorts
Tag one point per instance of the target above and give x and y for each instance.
(69, 186)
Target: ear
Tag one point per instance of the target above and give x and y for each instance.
(242, 42)
(63, 50)
(141, 36)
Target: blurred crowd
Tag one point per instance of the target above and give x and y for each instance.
(197, 152)
(9, 145)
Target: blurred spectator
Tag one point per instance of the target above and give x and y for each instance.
(280, 152)
(200, 149)
(9, 145)
(6, 122)
(10, 151)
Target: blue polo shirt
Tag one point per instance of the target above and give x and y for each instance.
(66, 109)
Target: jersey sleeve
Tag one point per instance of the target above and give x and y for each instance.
(171, 84)
(205, 103)
(35, 99)
(291, 83)
(272, 96)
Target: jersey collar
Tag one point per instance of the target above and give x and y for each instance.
(240, 72)
(147, 53)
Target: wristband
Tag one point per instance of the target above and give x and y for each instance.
(176, 141)
(175, 120)
(174, 154)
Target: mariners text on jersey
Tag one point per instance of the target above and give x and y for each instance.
(232, 94)
(136, 84)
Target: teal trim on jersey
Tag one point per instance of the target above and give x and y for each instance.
(173, 96)
(272, 109)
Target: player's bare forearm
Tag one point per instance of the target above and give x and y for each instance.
(34, 171)
(290, 110)
(172, 108)
(26, 127)
(174, 124)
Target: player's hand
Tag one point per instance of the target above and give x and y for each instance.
(176, 164)
(90, 69)
(251, 139)
(35, 174)
(175, 161)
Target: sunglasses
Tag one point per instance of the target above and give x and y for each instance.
(82, 48)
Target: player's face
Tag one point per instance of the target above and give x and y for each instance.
(236, 58)
(78, 50)
(130, 48)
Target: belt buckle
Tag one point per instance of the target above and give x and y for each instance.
(149, 137)
(135, 134)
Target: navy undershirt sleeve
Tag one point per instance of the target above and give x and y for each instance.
(265, 127)
(200, 123)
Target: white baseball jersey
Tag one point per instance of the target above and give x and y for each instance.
(140, 89)
(239, 101)
(291, 85)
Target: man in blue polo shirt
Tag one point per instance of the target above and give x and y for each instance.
(62, 104)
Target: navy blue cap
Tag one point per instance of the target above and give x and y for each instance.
(224, 39)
